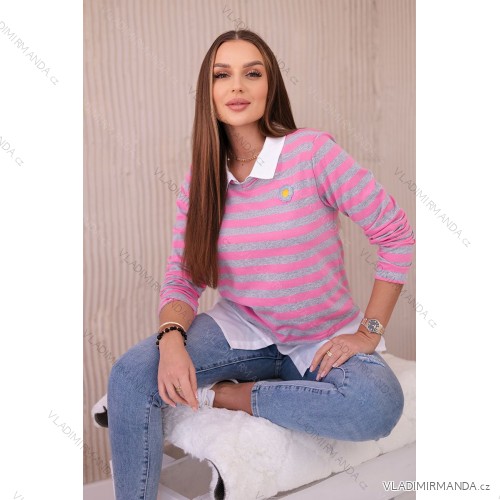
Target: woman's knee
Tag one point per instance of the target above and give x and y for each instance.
(206, 341)
(390, 403)
(378, 389)
(136, 369)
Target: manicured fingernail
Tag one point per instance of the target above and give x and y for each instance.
(323, 374)
(173, 405)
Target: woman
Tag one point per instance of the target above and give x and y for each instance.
(257, 218)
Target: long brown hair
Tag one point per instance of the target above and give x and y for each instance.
(210, 145)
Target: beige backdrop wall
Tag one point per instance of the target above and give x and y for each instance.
(349, 68)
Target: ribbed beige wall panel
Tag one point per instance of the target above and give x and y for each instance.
(349, 68)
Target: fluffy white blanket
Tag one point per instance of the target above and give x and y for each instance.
(255, 458)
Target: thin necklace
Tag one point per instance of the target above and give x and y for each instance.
(242, 160)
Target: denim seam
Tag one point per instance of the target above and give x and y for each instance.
(146, 448)
(253, 400)
(343, 379)
(212, 367)
(277, 368)
(299, 388)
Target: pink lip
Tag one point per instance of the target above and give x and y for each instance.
(237, 101)
(238, 107)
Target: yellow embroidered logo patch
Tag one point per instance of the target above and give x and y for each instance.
(286, 193)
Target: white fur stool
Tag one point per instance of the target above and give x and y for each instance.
(230, 455)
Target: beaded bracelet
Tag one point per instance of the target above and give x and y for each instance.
(168, 329)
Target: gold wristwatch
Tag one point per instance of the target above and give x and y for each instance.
(373, 325)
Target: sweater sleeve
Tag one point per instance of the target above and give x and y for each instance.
(346, 186)
(177, 283)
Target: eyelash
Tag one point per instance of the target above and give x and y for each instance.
(254, 73)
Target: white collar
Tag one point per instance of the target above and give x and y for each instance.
(267, 161)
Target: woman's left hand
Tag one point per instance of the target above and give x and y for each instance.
(342, 348)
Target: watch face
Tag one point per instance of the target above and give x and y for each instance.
(373, 325)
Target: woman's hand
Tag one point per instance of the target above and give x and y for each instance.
(342, 348)
(176, 370)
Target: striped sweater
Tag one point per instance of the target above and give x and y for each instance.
(281, 260)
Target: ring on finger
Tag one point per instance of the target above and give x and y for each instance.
(329, 354)
(178, 389)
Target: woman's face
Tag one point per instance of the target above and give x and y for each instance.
(239, 73)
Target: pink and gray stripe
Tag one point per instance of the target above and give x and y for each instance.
(280, 254)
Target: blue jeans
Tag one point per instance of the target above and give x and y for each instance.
(358, 401)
